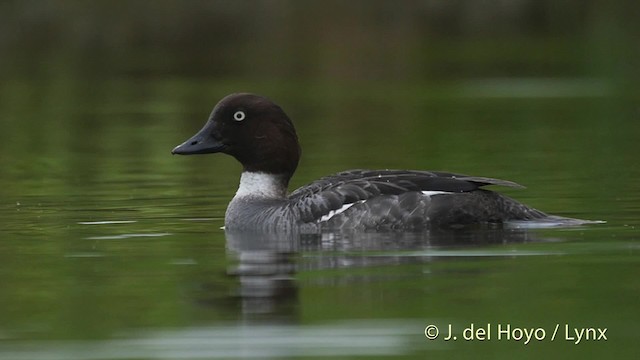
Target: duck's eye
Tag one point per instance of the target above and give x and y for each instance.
(239, 115)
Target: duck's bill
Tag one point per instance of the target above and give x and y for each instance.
(200, 143)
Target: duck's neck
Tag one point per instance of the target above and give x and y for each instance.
(262, 185)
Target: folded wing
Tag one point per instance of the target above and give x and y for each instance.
(333, 192)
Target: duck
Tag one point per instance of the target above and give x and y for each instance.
(259, 134)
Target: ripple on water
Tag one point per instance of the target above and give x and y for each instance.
(106, 222)
(126, 236)
(339, 339)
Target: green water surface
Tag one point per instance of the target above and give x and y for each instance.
(111, 248)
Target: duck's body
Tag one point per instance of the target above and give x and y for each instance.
(366, 199)
(260, 135)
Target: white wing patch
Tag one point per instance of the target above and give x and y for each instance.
(333, 213)
(344, 207)
(431, 193)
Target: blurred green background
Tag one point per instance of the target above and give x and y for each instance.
(112, 247)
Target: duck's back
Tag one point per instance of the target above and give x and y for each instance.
(399, 199)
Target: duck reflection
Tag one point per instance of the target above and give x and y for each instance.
(265, 266)
(266, 263)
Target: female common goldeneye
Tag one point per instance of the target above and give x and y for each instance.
(262, 138)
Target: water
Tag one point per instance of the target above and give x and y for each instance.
(111, 248)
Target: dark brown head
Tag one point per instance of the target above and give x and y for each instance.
(252, 129)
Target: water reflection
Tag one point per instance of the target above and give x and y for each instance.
(349, 338)
(265, 270)
(266, 263)
(266, 267)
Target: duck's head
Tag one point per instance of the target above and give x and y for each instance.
(252, 129)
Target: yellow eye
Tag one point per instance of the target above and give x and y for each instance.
(239, 115)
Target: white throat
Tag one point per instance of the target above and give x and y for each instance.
(262, 185)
